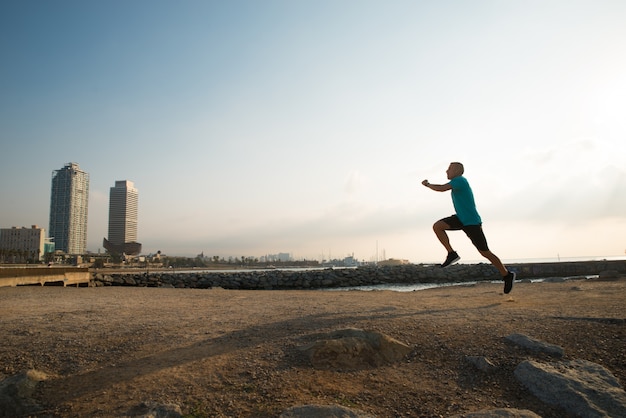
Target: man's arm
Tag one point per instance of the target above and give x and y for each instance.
(437, 187)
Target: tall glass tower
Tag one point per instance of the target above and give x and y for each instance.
(69, 200)
(123, 209)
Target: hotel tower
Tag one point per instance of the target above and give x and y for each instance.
(69, 199)
(123, 202)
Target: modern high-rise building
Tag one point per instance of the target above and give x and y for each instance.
(69, 199)
(123, 211)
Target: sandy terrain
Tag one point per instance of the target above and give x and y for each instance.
(219, 353)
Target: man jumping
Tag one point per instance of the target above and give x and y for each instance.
(466, 219)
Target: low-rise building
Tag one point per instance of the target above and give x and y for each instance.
(20, 244)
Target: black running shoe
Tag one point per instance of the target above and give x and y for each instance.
(508, 281)
(452, 258)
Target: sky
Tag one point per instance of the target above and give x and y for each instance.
(306, 127)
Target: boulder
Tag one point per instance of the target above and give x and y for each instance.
(580, 387)
(129, 281)
(354, 349)
(16, 394)
(499, 413)
(323, 411)
(535, 345)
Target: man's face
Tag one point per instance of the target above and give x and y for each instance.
(452, 171)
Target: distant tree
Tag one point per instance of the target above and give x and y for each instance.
(48, 258)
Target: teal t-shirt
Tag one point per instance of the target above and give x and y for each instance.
(463, 201)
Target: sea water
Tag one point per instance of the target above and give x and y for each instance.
(413, 287)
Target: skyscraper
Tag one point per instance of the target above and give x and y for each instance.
(69, 200)
(123, 209)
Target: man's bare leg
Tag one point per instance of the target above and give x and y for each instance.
(495, 261)
(440, 228)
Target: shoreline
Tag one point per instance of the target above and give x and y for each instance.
(302, 278)
(330, 278)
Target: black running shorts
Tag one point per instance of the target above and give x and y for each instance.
(473, 232)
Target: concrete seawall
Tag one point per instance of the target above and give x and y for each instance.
(568, 268)
(44, 276)
(362, 276)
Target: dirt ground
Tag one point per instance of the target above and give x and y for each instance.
(223, 353)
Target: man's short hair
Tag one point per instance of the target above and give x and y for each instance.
(460, 166)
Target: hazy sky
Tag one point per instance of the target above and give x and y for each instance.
(257, 127)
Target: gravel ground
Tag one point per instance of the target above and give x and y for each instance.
(223, 353)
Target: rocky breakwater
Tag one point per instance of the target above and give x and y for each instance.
(304, 279)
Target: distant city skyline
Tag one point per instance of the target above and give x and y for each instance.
(261, 127)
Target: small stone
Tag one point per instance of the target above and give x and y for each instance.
(536, 345)
(481, 363)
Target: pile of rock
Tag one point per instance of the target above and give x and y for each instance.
(304, 279)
